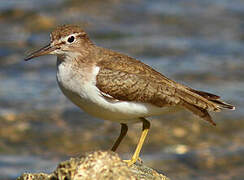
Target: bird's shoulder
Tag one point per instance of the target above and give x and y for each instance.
(128, 79)
(118, 62)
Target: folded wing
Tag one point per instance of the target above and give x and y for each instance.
(132, 80)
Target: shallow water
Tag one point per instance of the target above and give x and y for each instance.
(200, 44)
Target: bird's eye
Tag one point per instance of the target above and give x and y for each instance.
(71, 39)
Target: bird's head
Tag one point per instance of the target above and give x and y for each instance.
(65, 40)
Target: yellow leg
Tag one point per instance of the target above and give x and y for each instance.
(145, 128)
(123, 132)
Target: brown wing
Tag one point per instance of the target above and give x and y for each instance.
(134, 87)
(127, 79)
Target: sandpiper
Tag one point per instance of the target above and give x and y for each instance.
(113, 86)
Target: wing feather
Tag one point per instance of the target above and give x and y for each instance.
(127, 79)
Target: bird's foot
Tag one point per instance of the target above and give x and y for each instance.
(132, 161)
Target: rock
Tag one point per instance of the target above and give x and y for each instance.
(97, 165)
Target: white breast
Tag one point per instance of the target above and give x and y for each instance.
(80, 88)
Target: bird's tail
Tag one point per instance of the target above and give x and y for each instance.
(215, 99)
(200, 112)
(203, 113)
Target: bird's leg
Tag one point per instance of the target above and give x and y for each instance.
(123, 132)
(145, 128)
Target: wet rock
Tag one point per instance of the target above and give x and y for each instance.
(97, 165)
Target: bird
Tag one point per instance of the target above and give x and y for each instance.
(113, 86)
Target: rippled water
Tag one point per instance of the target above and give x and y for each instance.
(198, 43)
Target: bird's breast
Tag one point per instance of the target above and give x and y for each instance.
(73, 80)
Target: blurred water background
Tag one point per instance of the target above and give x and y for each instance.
(198, 43)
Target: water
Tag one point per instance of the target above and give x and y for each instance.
(198, 43)
(14, 165)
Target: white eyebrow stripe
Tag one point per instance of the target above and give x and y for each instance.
(66, 37)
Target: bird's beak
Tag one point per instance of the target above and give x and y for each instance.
(43, 51)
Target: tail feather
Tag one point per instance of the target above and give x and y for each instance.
(215, 99)
(205, 94)
(200, 112)
(223, 104)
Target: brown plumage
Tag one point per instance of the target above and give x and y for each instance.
(124, 78)
(62, 31)
(101, 91)
(127, 79)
